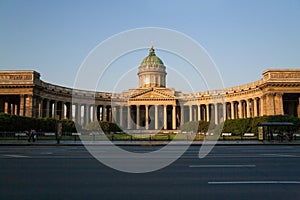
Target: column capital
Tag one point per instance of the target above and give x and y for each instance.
(271, 94)
(279, 94)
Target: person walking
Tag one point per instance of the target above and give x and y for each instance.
(32, 135)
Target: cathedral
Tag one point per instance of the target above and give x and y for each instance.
(150, 106)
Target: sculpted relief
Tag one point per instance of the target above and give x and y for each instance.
(282, 75)
(15, 78)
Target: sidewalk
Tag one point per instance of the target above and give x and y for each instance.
(139, 143)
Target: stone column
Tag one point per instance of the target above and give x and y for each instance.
(137, 116)
(114, 114)
(84, 114)
(39, 107)
(47, 110)
(29, 106)
(270, 104)
(62, 110)
(78, 114)
(207, 113)
(248, 104)
(232, 109)
(6, 107)
(224, 107)
(35, 106)
(147, 117)
(67, 110)
(240, 107)
(70, 111)
(262, 105)
(99, 115)
(22, 105)
(174, 117)
(43, 108)
(109, 113)
(165, 117)
(216, 113)
(278, 104)
(104, 113)
(91, 113)
(55, 110)
(190, 113)
(15, 109)
(298, 111)
(156, 116)
(89, 116)
(255, 114)
(199, 112)
(194, 109)
(181, 115)
(100, 112)
(128, 117)
(121, 116)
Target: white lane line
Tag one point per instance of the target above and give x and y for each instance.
(254, 156)
(221, 166)
(46, 153)
(279, 155)
(15, 156)
(251, 182)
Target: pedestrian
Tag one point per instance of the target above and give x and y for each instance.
(32, 135)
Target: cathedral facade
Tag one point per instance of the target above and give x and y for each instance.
(150, 106)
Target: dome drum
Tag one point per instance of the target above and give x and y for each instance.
(152, 72)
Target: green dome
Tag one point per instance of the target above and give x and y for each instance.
(152, 58)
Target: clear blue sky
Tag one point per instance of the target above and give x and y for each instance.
(243, 37)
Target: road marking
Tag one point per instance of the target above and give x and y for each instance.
(254, 156)
(252, 182)
(16, 156)
(222, 166)
(46, 153)
(279, 155)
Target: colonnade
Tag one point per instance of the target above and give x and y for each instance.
(172, 116)
(219, 112)
(146, 117)
(143, 116)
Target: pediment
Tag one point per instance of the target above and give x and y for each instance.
(152, 94)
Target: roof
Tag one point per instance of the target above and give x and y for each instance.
(152, 58)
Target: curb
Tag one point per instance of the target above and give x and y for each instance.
(149, 144)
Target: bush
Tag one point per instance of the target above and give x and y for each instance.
(195, 126)
(237, 126)
(17, 123)
(251, 124)
(93, 126)
(105, 126)
(113, 127)
(190, 126)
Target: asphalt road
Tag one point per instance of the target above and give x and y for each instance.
(228, 172)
